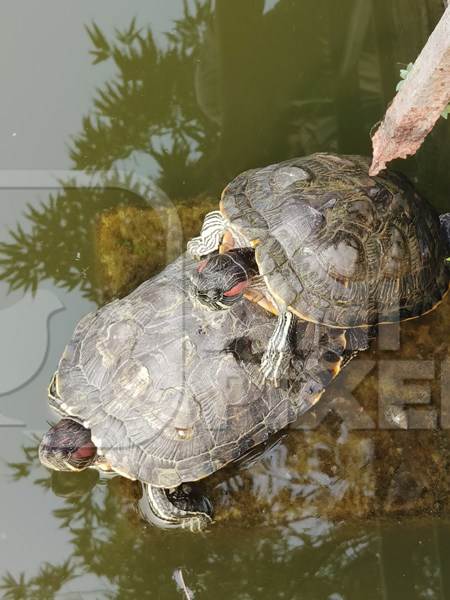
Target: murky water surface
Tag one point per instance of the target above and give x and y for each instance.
(165, 101)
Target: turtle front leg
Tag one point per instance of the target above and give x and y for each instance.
(211, 234)
(276, 359)
(177, 509)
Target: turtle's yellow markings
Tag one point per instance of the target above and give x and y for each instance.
(258, 298)
(227, 242)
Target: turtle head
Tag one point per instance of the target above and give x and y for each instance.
(221, 280)
(67, 447)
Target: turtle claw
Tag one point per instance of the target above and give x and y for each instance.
(197, 524)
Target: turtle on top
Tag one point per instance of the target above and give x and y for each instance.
(316, 238)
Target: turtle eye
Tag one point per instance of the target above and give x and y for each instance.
(236, 289)
(83, 457)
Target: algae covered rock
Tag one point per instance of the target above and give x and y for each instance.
(132, 243)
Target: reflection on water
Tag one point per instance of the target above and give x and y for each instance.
(230, 89)
(325, 513)
(300, 522)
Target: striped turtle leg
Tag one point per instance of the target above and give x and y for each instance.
(213, 228)
(277, 357)
(177, 509)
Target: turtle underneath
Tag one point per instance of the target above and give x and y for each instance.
(317, 238)
(158, 390)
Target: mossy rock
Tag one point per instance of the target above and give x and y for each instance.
(131, 243)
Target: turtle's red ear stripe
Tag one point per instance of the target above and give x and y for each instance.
(201, 265)
(86, 451)
(237, 289)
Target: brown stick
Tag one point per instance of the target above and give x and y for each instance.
(418, 104)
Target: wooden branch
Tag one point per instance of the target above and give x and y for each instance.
(419, 103)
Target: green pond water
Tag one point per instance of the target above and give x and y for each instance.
(160, 103)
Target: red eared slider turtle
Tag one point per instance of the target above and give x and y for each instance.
(319, 239)
(161, 391)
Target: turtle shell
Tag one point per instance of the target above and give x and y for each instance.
(172, 392)
(337, 246)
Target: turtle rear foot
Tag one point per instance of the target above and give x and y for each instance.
(182, 508)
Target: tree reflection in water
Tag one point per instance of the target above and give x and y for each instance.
(319, 512)
(233, 88)
(288, 526)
